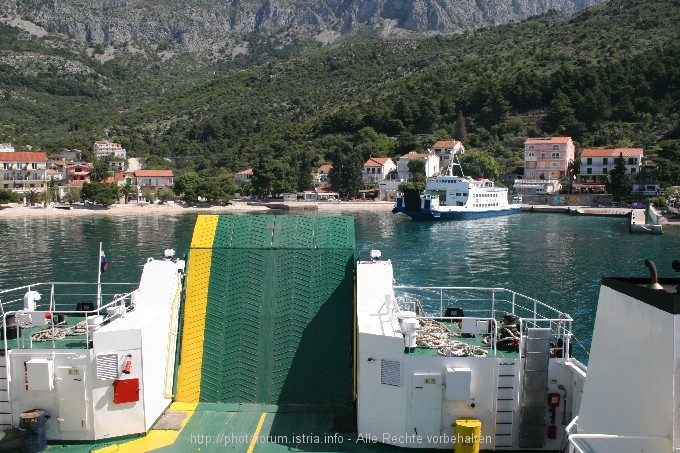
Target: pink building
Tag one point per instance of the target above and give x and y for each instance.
(547, 157)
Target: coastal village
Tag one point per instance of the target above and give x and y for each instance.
(549, 177)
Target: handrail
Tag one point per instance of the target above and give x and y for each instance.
(573, 437)
(172, 336)
(8, 373)
(537, 303)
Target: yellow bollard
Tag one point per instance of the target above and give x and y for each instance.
(468, 432)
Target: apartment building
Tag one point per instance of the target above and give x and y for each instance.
(547, 157)
(22, 171)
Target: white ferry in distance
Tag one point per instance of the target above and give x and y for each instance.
(456, 198)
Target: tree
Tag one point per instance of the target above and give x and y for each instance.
(459, 129)
(32, 197)
(104, 194)
(220, 187)
(148, 195)
(72, 195)
(156, 163)
(380, 142)
(479, 164)
(7, 196)
(561, 117)
(49, 195)
(619, 184)
(187, 186)
(211, 189)
(406, 143)
(346, 174)
(416, 167)
(245, 188)
(263, 176)
(496, 108)
(271, 177)
(165, 194)
(100, 171)
(126, 190)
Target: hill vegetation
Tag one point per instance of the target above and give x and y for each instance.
(607, 76)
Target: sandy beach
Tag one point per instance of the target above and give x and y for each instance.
(17, 210)
(134, 209)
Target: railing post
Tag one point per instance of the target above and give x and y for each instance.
(441, 301)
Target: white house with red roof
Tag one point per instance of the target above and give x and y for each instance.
(377, 168)
(322, 179)
(244, 175)
(22, 171)
(446, 150)
(600, 161)
(547, 157)
(431, 165)
(154, 179)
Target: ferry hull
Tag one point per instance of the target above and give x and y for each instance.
(455, 215)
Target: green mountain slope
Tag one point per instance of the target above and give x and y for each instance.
(607, 76)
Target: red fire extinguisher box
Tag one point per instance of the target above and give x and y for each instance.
(125, 390)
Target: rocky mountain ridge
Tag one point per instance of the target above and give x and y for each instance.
(223, 28)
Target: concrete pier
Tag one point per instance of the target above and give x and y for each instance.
(638, 222)
(637, 216)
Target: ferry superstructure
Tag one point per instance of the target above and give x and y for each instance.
(449, 197)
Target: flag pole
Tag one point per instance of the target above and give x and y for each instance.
(99, 277)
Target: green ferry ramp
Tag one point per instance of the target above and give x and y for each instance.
(266, 350)
(268, 313)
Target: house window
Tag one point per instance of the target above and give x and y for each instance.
(6, 176)
(589, 171)
(589, 161)
(531, 154)
(543, 155)
(5, 166)
(556, 147)
(632, 161)
(632, 170)
(531, 146)
(555, 155)
(605, 161)
(604, 170)
(555, 165)
(542, 147)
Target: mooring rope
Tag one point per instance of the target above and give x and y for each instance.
(59, 333)
(435, 335)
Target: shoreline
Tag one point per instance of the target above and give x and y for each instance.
(16, 210)
(245, 207)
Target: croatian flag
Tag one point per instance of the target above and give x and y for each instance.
(103, 263)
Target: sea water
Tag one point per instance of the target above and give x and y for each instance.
(556, 258)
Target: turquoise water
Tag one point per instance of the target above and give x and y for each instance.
(556, 258)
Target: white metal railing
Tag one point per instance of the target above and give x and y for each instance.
(488, 303)
(12, 301)
(58, 303)
(576, 440)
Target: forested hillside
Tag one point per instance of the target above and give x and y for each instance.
(607, 77)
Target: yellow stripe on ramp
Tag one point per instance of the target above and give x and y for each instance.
(195, 307)
(155, 438)
(253, 441)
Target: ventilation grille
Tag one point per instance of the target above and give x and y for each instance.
(390, 372)
(107, 366)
